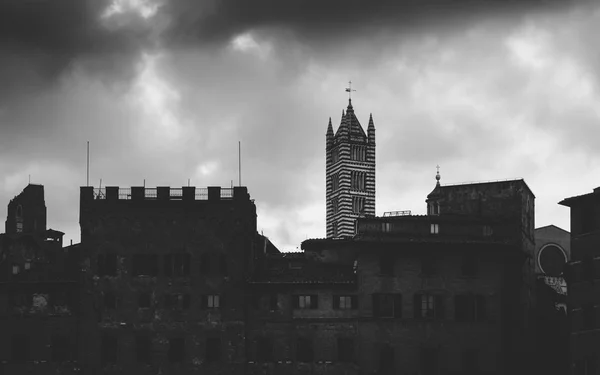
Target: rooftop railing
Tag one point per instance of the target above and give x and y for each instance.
(159, 193)
(397, 213)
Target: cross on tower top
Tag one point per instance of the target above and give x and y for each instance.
(349, 90)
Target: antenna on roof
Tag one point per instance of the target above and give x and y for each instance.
(239, 163)
(87, 181)
(100, 183)
(188, 182)
(144, 182)
(30, 179)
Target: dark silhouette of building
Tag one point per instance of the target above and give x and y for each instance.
(552, 252)
(350, 174)
(166, 275)
(583, 271)
(39, 292)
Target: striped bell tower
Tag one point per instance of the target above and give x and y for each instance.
(350, 174)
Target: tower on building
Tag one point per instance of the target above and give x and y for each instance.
(350, 173)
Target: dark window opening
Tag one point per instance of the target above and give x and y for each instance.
(177, 301)
(470, 308)
(213, 349)
(470, 361)
(304, 350)
(386, 265)
(204, 263)
(223, 264)
(107, 264)
(428, 265)
(144, 265)
(273, 302)
(144, 300)
(109, 349)
(345, 302)
(177, 265)
(428, 306)
(358, 205)
(386, 359)
(429, 361)
(589, 317)
(345, 349)
(305, 302)
(264, 350)
(60, 348)
(110, 300)
(387, 305)
(176, 350)
(469, 265)
(20, 348)
(143, 346)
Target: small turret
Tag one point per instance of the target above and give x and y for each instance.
(329, 134)
(371, 130)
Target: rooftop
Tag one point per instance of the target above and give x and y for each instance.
(165, 193)
(568, 201)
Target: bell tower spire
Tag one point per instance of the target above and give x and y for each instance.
(350, 173)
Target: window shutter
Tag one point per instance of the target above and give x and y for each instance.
(296, 301)
(481, 308)
(375, 304)
(354, 302)
(336, 302)
(186, 264)
(314, 303)
(398, 305)
(417, 305)
(101, 262)
(168, 265)
(223, 265)
(439, 307)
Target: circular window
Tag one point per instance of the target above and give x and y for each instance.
(551, 260)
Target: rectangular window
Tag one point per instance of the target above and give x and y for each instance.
(470, 308)
(358, 180)
(20, 348)
(176, 350)
(144, 265)
(304, 350)
(335, 181)
(344, 302)
(358, 205)
(177, 265)
(387, 305)
(487, 230)
(335, 155)
(144, 300)
(386, 359)
(334, 205)
(143, 348)
(469, 265)
(435, 228)
(428, 265)
(428, 306)
(386, 265)
(305, 302)
(589, 316)
(345, 350)
(110, 300)
(60, 348)
(334, 225)
(109, 349)
(213, 301)
(264, 350)
(19, 227)
(213, 349)
(429, 361)
(471, 361)
(177, 301)
(386, 227)
(273, 303)
(107, 264)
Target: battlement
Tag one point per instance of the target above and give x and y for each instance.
(164, 193)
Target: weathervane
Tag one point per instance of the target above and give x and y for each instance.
(349, 90)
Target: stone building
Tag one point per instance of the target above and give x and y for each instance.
(39, 292)
(166, 273)
(350, 174)
(583, 292)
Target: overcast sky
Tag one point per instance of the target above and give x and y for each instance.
(163, 90)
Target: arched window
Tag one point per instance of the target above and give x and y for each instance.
(19, 212)
(19, 219)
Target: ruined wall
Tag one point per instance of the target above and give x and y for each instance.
(212, 238)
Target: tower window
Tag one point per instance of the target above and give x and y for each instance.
(358, 205)
(334, 205)
(435, 228)
(335, 155)
(359, 153)
(335, 181)
(334, 225)
(358, 180)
